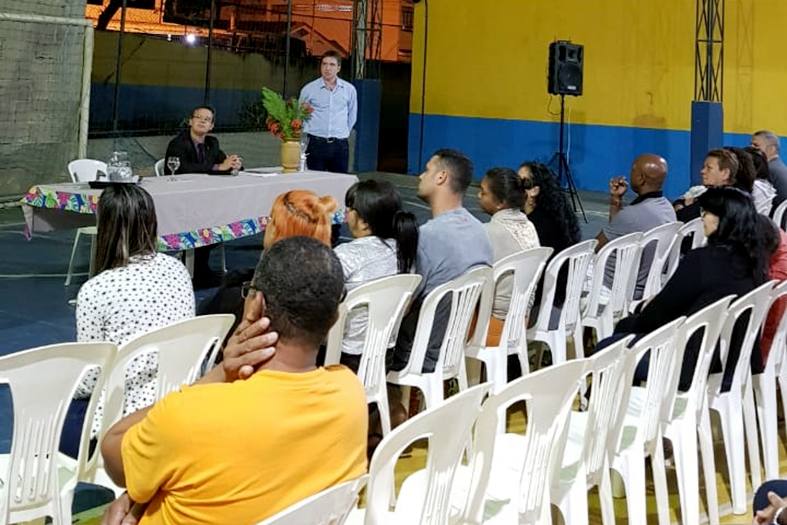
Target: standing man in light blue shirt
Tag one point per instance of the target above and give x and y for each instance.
(335, 105)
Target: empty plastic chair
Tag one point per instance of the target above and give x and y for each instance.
(385, 301)
(510, 474)
(158, 167)
(588, 448)
(473, 290)
(525, 269)
(686, 419)
(84, 170)
(35, 479)
(765, 392)
(329, 507)
(567, 323)
(603, 317)
(425, 495)
(638, 432)
(736, 406)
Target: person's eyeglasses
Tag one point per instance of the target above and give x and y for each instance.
(702, 212)
(344, 295)
(203, 118)
(246, 289)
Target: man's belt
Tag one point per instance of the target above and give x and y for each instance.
(328, 140)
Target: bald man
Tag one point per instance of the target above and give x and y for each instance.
(648, 210)
(768, 142)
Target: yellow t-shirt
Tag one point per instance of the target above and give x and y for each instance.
(240, 452)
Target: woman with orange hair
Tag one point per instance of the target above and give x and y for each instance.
(300, 212)
(294, 213)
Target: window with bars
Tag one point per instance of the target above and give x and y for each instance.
(407, 18)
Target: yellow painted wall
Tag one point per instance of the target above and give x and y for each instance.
(489, 59)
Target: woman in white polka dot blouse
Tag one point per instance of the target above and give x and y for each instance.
(135, 290)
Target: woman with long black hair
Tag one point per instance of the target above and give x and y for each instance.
(734, 262)
(385, 243)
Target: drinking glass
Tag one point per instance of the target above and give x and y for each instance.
(173, 163)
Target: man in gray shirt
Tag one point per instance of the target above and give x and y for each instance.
(768, 143)
(449, 245)
(649, 210)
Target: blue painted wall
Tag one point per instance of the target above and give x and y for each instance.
(596, 154)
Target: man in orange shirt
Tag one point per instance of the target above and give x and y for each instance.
(240, 451)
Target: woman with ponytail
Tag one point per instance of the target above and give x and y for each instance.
(385, 244)
(502, 196)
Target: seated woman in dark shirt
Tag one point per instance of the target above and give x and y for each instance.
(550, 212)
(734, 262)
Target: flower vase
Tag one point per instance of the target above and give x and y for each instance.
(290, 155)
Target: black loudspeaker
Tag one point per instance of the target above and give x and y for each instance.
(565, 68)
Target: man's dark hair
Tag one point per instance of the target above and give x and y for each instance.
(332, 54)
(303, 284)
(209, 108)
(459, 167)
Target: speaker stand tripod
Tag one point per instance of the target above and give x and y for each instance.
(562, 166)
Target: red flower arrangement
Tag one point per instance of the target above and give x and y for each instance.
(285, 118)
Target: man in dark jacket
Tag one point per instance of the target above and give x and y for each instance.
(198, 152)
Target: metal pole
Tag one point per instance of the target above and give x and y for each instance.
(710, 26)
(119, 68)
(287, 48)
(359, 52)
(206, 97)
(562, 121)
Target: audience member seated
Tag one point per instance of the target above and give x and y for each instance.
(649, 210)
(449, 244)
(768, 142)
(734, 262)
(385, 244)
(296, 212)
(763, 192)
(502, 196)
(199, 152)
(719, 169)
(135, 290)
(238, 451)
(776, 243)
(549, 210)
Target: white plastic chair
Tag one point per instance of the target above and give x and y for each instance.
(385, 301)
(526, 267)
(778, 214)
(736, 406)
(329, 507)
(602, 318)
(686, 420)
(638, 433)
(181, 349)
(84, 170)
(569, 324)
(475, 288)
(35, 479)
(424, 496)
(693, 229)
(588, 448)
(510, 475)
(158, 167)
(659, 239)
(764, 386)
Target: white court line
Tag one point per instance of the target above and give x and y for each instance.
(416, 204)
